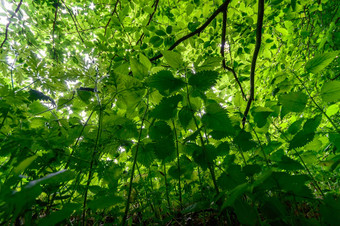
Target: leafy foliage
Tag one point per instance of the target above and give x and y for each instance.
(137, 112)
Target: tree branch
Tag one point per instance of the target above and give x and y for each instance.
(151, 16)
(9, 22)
(113, 12)
(74, 20)
(256, 52)
(54, 26)
(220, 9)
(224, 26)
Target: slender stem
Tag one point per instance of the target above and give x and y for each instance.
(260, 15)
(94, 153)
(202, 143)
(320, 109)
(178, 165)
(303, 162)
(166, 188)
(134, 165)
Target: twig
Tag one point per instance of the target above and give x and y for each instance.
(224, 26)
(54, 26)
(150, 18)
(113, 12)
(9, 22)
(74, 20)
(220, 9)
(253, 63)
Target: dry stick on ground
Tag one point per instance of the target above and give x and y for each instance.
(220, 9)
(224, 26)
(113, 12)
(74, 21)
(150, 18)
(54, 26)
(253, 63)
(9, 22)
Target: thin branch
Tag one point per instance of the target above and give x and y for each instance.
(150, 19)
(256, 52)
(54, 26)
(224, 26)
(220, 9)
(9, 22)
(113, 12)
(74, 20)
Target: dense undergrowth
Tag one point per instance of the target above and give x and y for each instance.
(170, 112)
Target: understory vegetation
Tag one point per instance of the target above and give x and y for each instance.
(168, 112)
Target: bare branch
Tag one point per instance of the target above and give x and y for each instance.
(256, 52)
(9, 22)
(224, 26)
(74, 20)
(220, 9)
(155, 4)
(113, 12)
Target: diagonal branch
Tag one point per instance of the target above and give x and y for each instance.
(151, 16)
(54, 26)
(220, 9)
(224, 26)
(74, 20)
(253, 63)
(113, 12)
(9, 22)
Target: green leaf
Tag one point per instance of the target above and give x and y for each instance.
(169, 29)
(167, 108)
(289, 164)
(260, 115)
(165, 82)
(138, 69)
(85, 96)
(160, 130)
(145, 61)
(244, 141)
(185, 116)
(203, 80)
(318, 63)
(216, 119)
(293, 102)
(146, 154)
(24, 164)
(301, 139)
(37, 107)
(156, 41)
(173, 59)
(330, 91)
(104, 202)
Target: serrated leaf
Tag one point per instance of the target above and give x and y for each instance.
(244, 141)
(160, 130)
(260, 115)
(146, 154)
(312, 124)
(289, 164)
(301, 139)
(211, 63)
(156, 41)
(330, 91)
(203, 80)
(138, 69)
(37, 107)
(165, 82)
(167, 108)
(164, 149)
(216, 119)
(185, 116)
(318, 63)
(293, 102)
(173, 59)
(145, 61)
